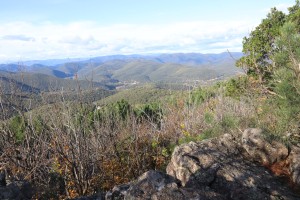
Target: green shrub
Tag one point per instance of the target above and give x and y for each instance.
(39, 125)
(151, 112)
(187, 139)
(228, 122)
(210, 133)
(209, 117)
(17, 126)
(201, 95)
(236, 87)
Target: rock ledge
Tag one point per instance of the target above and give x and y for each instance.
(229, 167)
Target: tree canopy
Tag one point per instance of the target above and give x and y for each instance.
(260, 46)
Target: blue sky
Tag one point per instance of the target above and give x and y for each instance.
(45, 29)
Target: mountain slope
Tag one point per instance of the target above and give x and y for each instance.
(43, 82)
(177, 67)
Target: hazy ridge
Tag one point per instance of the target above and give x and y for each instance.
(177, 67)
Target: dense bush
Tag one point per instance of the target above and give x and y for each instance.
(236, 87)
(17, 127)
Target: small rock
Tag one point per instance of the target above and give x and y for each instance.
(150, 183)
(118, 192)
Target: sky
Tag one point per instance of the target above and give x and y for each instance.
(53, 29)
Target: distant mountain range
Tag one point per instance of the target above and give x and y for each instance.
(120, 69)
(34, 83)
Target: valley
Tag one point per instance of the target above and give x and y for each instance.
(115, 71)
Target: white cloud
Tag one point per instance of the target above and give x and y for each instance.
(283, 7)
(17, 37)
(23, 41)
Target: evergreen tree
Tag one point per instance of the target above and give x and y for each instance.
(259, 46)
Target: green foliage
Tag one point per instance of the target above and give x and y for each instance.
(166, 152)
(259, 46)
(151, 112)
(121, 109)
(272, 54)
(38, 124)
(236, 87)
(114, 111)
(139, 95)
(263, 43)
(83, 118)
(286, 79)
(17, 126)
(288, 43)
(209, 117)
(201, 95)
(228, 122)
(187, 139)
(210, 133)
(294, 14)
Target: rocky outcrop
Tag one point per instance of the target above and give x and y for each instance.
(228, 167)
(273, 155)
(234, 167)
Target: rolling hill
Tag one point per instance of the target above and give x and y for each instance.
(119, 69)
(35, 82)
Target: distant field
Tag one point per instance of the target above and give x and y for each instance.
(140, 95)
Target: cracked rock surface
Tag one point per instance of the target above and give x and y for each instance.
(232, 167)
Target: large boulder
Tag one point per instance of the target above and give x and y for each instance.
(232, 167)
(202, 160)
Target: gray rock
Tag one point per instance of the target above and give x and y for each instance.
(201, 161)
(149, 184)
(294, 162)
(261, 150)
(225, 166)
(118, 192)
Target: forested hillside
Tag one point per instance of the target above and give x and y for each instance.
(69, 148)
(119, 70)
